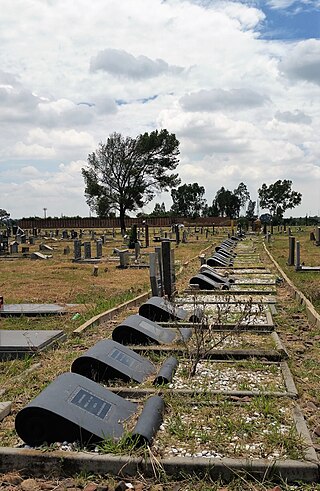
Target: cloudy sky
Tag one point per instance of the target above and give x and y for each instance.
(238, 82)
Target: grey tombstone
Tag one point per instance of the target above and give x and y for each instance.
(87, 250)
(137, 250)
(157, 309)
(177, 231)
(93, 234)
(25, 249)
(297, 264)
(108, 360)
(154, 277)
(146, 228)
(66, 251)
(291, 250)
(45, 247)
(31, 240)
(99, 249)
(23, 239)
(167, 268)
(77, 249)
(73, 408)
(124, 259)
(65, 234)
(14, 247)
(184, 237)
(103, 239)
(318, 236)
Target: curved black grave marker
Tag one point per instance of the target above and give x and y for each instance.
(73, 408)
(158, 309)
(139, 330)
(149, 421)
(166, 372)
(218, 277)
(214, 276)
(218, 261)
(206, 283)
(109, 360)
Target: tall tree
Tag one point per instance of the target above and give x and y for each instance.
(226, 203)
(125, 173)
(243, 194)
(188, 200)
(278, 197)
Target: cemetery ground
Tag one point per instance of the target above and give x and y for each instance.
(59, 280)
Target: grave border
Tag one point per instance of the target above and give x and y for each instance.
(39, 463)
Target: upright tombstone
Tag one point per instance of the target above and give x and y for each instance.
(65, 234)
(177, 231)
(99, 249)
(133, 236)
(184, 237)
(14, 247)
(137, 250)
(93, 235)
(23, 239)
(167, 268)
(87, 250)
(124, 259)
(77, 249)
(146, 231)
(297, 264)
(154, 276)
(291, 250)
(74, 234)
(318, 236)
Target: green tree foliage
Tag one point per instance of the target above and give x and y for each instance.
(125, 173)
(278, 197)
(242, 193)
(159, 211)
(250, 210)
(188, 200)
(226, 204)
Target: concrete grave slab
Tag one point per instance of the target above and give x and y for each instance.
(31, 309)
(17, 344)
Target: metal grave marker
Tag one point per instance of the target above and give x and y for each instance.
(17, 344)
(109, 360)
(158, 309)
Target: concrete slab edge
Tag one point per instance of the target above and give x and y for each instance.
(5, 409)
(288, 380)
(279, 345)
(59, 463)
(302, 429)
(313, 316)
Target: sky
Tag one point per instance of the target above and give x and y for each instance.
(238, 82)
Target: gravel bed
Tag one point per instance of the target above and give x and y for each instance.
(229, 377)
(255, 431)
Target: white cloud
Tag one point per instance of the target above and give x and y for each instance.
(303, 62)
(244, 109)
(121, 63)
(221, 99)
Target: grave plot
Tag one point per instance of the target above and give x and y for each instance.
(223, 314)
(32, 309)
(263, 428)
(245, 378)
(255, 281)
(226, 344)
(18, 344)
(222, 297)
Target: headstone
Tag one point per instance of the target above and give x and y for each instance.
(99, 249)
(177, 231)
(66, 251)
(25, 249)
(21, 343)
(45, 247)
(31, 240)
(14, 247)
(65, 234)
(146, 231)
(93, 234)
(318, 236)
(73, 408)
(137, 250)
(74, 234)
(154, 277)
(77, 249)
(297, 265)
(157, 309)
(184, 237)
(23, 239)
(87, 250)
(39, 255)
(159, 262)
(291, 250)
(124, 259)
(108, 360)
(312, 236)
(167, 268)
